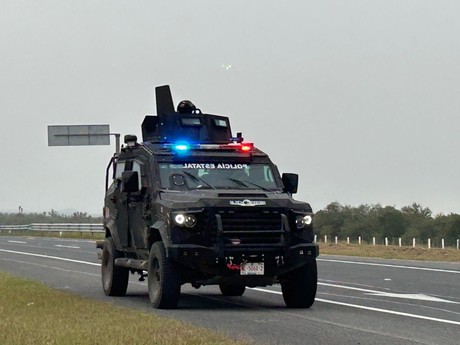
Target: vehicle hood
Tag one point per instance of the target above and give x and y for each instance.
(230, 198)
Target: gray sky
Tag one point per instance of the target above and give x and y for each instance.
(359, 97)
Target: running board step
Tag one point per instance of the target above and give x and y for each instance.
(131, 263)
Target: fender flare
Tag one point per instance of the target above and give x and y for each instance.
(159, 232)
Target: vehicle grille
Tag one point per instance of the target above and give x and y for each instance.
(251, 220)
(250, 227)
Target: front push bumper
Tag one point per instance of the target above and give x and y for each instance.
(213, 261)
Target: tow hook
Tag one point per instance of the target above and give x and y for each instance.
(279, 260)
(232, 266)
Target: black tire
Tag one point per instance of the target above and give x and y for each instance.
(232, 290)
(163, 279)
(299, 286)
(114, 278)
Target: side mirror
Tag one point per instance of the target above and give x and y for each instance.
(129, 182)
(291, 182)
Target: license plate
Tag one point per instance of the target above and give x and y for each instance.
(252, 268)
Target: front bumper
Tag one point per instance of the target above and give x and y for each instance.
(212, 261)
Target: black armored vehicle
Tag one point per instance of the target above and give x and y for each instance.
(194, 204)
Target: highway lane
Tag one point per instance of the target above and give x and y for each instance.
(359, 301)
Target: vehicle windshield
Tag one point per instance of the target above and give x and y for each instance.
(217, 176)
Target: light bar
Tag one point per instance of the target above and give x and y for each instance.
(183, 147)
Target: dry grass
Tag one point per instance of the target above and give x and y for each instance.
(32, 313)
(391, 252)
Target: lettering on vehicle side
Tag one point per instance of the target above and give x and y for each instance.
(211, 166)
(247, 202)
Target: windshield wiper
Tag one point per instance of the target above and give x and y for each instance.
(238, 182)
(256, 185)
(197, 179)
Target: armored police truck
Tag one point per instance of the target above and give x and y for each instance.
(194, 204)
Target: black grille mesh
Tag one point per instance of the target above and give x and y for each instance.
(248, 227)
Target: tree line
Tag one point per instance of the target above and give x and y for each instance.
(47, 217)
(368, 221)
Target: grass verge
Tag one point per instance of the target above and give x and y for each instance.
(391, 252)
(33, 313)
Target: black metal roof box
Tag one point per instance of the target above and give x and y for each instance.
(170, 126)
(191, 128)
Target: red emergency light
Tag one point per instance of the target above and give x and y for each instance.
(243, 147)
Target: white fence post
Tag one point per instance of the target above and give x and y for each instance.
(429, 243)
(359, 239)
(386, 241)
(373, 241)
(348, 240)
(400, 242)
(413, 242)
(442, 243)
(325, 238)
(458, 243)
(336, 240)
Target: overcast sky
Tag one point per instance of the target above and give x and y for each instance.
(361, 98)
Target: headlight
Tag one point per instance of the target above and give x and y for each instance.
(186, 220)
(179, 219)
(190, 221)
(303, 221)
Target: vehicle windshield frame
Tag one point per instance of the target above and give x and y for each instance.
(219, 175)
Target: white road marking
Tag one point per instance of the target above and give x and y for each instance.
(51, 267)
(348, 287)
(50, 257)
(21, 242)
(417, 296)
(64, 246)
(392, 266)
(386, 311)
(420, 297)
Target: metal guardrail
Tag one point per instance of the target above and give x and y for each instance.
(56, 227)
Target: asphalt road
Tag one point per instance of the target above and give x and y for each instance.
(359, 300)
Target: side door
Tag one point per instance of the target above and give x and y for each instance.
(137, 203)
(116, 212)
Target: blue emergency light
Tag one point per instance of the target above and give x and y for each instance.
(181, 147)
